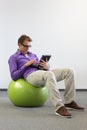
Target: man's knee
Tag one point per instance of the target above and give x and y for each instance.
(50, 74)
(70, 71)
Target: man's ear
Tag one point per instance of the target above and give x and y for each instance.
(19, 44)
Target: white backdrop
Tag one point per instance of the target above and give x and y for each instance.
(57, 27)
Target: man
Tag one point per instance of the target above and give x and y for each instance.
(24, 64)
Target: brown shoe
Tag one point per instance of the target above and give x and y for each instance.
(62, 111)
(73, 105)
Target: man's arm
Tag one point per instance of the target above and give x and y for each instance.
(14, 71)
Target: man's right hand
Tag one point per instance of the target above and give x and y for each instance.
(29, 62)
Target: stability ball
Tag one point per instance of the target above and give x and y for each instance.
(21, 93)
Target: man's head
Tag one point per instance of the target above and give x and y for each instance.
(24, 43)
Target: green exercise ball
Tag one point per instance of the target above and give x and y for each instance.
(23, 94)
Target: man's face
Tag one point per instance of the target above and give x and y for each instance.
(24, 47)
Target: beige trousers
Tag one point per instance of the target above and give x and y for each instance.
(50, 79)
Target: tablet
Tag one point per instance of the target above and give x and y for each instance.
(45, 57)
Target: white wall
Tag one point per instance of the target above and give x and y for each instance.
(57, 27)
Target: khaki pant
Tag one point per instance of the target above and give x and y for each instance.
(50, 79)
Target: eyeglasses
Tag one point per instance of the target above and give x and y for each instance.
(25, 45)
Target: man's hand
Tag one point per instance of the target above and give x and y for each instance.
(43, 65)
(29, 62)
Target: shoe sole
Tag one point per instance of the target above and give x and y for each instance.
(74, 109)
(63, 116)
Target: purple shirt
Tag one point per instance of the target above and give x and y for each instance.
(16, 65)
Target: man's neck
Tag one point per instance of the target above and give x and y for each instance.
(25, 53)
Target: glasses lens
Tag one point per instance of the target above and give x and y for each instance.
(25, 45)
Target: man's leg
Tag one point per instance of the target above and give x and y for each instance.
(68, 76)
(47, 78)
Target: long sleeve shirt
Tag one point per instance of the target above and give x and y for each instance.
(16, 65)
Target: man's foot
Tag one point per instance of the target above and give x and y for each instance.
(73, 105)
(62, 111)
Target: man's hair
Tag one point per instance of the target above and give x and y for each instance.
(22, 38)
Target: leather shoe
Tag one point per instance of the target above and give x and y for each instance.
(74, 105)
(62, 111)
